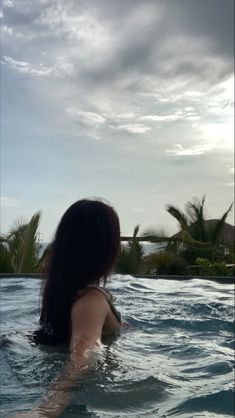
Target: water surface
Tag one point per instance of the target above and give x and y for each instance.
(176, 360)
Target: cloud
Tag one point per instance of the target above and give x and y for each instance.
(159, 71)
(60, 68)
(8, 3)
(193, 118)
(87, 118)
(220, 135)
(134, 128)
(82, 27)
(104, 52)
(118, 116)
(5, 29)
(185, 114)
(26, 67)
(179, 150)
(163, 118)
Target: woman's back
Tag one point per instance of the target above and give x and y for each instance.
(81, 256)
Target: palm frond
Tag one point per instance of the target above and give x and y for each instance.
(136, 231)
(131, 255)
(31, 247)
(15, 243)
(217, 229)
(195, 212)
(179, 216)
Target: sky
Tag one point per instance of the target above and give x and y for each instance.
(131, 101)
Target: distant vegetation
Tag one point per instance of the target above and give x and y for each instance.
(131, 256)
(200, 246)
(19, 249)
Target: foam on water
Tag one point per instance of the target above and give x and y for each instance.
(176, 359)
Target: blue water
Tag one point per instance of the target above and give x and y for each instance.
(176, 360)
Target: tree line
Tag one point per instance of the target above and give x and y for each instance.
(200, 246)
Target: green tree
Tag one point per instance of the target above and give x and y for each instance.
(212, 269)
(19, 249)
(131, 255)
(196, 237)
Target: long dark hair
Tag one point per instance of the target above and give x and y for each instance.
(84, 251)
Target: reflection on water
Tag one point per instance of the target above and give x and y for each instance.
(176, 359)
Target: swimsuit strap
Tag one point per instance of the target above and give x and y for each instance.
(110, 299)
(106, 293)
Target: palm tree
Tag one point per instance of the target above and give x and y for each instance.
(197, 237)
(20, 247)
(130, 257)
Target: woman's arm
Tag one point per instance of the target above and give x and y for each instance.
(87, 319)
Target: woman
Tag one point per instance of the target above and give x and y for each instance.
(75, 309)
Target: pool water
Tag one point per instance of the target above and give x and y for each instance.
(175, 360)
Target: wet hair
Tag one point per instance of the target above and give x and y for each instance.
(84, 251)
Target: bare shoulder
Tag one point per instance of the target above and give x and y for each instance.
(88, 316)
(89, 300)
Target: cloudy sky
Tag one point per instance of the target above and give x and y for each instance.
(127, 100)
